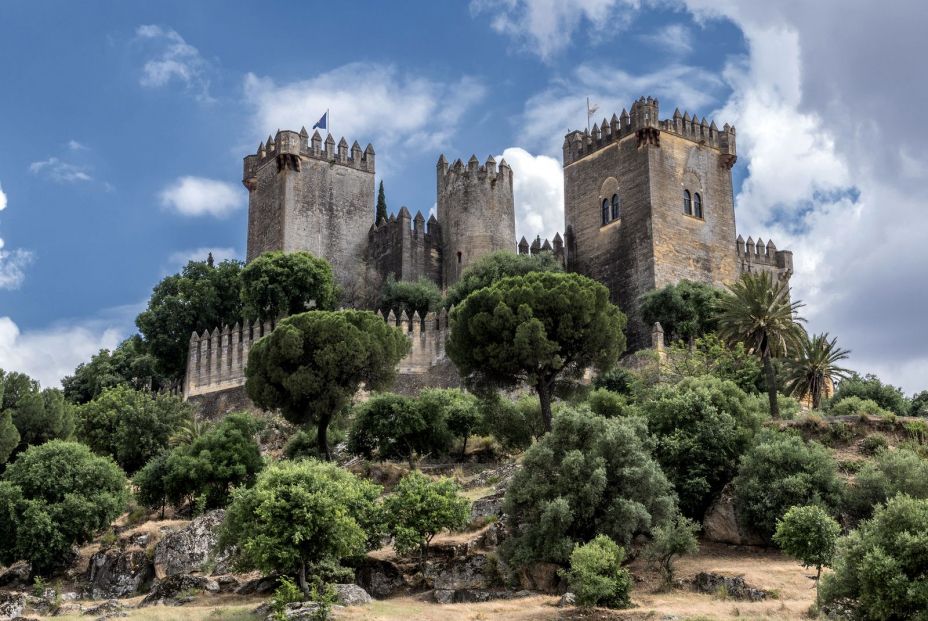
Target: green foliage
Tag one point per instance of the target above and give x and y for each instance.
(151, 483)
(596, 575)
(302, 513)
(398, 427)
(514, 424)
(609, 404)
(495, 266)
(686, 310)
(879, 569)
(303, 444)
(287, 283)
(130, 426)
(589, 475)
(287, 592)
(313, 363)
(702, 426)
(201, 297)
(9, 437)
(780, 472)
(54, 496)
(814, 367)
(381, 213)
(918, 406)
(709, 355)
(855, 406)
(873, 444)
(618, 380)
(129, 364)
(676, 538)
(889, 473)
(420, 508)
(38, 415)
(535, 329)
(420, 296)
(870, 387)
(808, 534)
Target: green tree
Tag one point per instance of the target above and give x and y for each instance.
(891, 472)
(596, 575)
(200, 297)
(780, 472)
(420, 296)
(495, 266)
(618, 380)
(757, 311)
(814, 366)
(287, 283)
(676, 538)
(515, 424)
(918, 406)
(709, 355)
(129, 364)
(381, 215)
(53, 496)
(151, 483)
(686, 310)
(9, 437)
(398, 427)
(609, 404)
(588, 475)
(420, 508)
(855, 406)
(536, 329)
(38, 415)
(313, 363)
(301, 514)
(870, 387)
(131, 426)
(879, 569)
(809, 534)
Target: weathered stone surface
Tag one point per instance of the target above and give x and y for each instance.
(567, 599)
(721, 524)
(487, 507)
(379, 578)
(189, 549)
(119, 572)
(457, 572)
(541, 577)
(351, 595)
(108, 608)
(259, 585)
(443, 596)
(16, 574)
(298, 611)
(178, 589)
(733, 586)
(11, 604)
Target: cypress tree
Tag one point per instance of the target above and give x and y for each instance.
(381, 204)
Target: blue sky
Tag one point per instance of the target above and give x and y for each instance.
(124, 124)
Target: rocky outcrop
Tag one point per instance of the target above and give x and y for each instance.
(298, 611)
(119, 572)
(730, 586)
(11, 605)
(472, 596)
(192, 548)
(16, 574)
(351, 595)
(178, 590)
(721, 523)
(541, 577)
(109, 608)
(380, 578)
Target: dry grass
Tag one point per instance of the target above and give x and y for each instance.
(416, 608)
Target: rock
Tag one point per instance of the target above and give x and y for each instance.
(567, 599)
(16, 574)
(117, 572)
(457, 573)
(732, 586)
(540, 577)
(351, 595)
(260, 586)
(443, 596)
(721, 524)
(108, 608)
(487, 507)
(178, 590)
(473, 596)
(379, 578)
(299, 611)
(11, 604)
(191, 548)
(228, 584)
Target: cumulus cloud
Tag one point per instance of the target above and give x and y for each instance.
(12, 262)
(198, 196)
(74, 145)
(538, 192)
(180, 258)
(60, 171)
(172, 59)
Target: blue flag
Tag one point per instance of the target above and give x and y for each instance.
(323, 122)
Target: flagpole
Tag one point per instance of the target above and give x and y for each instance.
(588, 114)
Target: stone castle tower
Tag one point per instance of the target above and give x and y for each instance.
(649, 202)
(304, 194)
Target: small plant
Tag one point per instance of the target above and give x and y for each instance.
(873, 444)
(721, 592)
(596, 574)
(38, 586)
(325, 596)
(840, 433)
(287, 592)
(809, 534)
(108, 539)
(918, 429)
(676, 538)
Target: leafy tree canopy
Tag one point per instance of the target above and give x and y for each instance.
(596, 575)
(514, 424)
(129, 364)
(919, 404)
(38, 415)
(287, 283)
(710, 355)
(891, 472)
(809, 534)
(870, 387)
(814, 367)
(9, 437)
(686, 310)
(420, 508)
(421, 296)
(495, 266)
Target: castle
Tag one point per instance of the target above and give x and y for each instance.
(647, 202)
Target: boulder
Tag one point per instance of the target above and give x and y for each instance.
(259, 585)
(541, 577)
(16, 574)
(178, 590)
(298, 611)
(732, 586)
(487, 508)
(11, 605)
(567, 599)
(118, 572)
(443, 596)
(457, 573)
(379, 578)
(191, 548)
(351, 595)
(109, 608)
(721, 523)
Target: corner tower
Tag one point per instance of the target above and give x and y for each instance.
(649, 202)
(304, 194)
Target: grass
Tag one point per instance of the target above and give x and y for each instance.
(192, 612)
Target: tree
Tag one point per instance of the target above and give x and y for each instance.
(129, 364)
(686, 310)
(709, 355)
(814, 366)
(38, 415)
(53, 496)
(596, 575)
(420, 296)
(535, 329)
(588, 475)
(495, 266)
(675, 538)
(151, 483)
(617, 380)
(381, 215)
(609, 404)
(757, 311)
(809, 534)
(287, 283)
(515, 424)
(879, 569)
(301, 514)
(131, 426)
(9, 437)
(890, 473)
(312, 364)
(200, 297)
(398, 427)
(420, 508)
(918, 406)
(870, 387)
(780, 472)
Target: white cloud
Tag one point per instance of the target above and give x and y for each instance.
(198, 196)
(12, 262)
(173, 59)
(74, 145)
(60, 171)
(673, 38)
(180, 258)
(2, 199)
(538, 192)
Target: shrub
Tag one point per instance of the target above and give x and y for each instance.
(890, 473)
(808, 534)
(515, 424)
(53, 496)
(618, 380)
(609, 404)
(398, 427)
(879, 569)
(421, 296)
(855, 406)
(151, 483)
(873, 444)
(589, 475)
(596, 575)
(871, 388)
(918, 406)
(303, 444)
(675, 538)
(780, 472)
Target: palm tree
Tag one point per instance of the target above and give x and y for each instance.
(813, 366)
(190, 430)
(757, 312)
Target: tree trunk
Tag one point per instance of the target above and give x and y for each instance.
(771, 379)
(543, 389)
(464, 448)
(322, 437)
(816, 392)
(301, 578)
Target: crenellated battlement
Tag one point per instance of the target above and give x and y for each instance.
(473, 169)
(756, 256)
(402, 221)
(644, 122)
(287, 147)
(538, 246)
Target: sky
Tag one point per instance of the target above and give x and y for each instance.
(123, 125)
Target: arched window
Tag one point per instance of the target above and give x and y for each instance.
(687, 203)
(697, 205)
(615, 206)
(459, 258)
(605, 211)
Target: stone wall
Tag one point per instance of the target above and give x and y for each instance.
(408, 248)
(753, 257)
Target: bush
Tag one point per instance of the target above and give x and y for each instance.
(589, 475)
(303, 444)
(673, 539)
(421, 296)
(419, 508)
(515, 424)
(871, 388)
(919, 404)
(890, 473)
(873, 444)
(780, 472)
(609, 404)
(618, 380)
(709, 355)
(596, 574)
(808, 534)
(855, 406)
(879, 569)
(397, 427)
(686, 310)
(53, 496)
